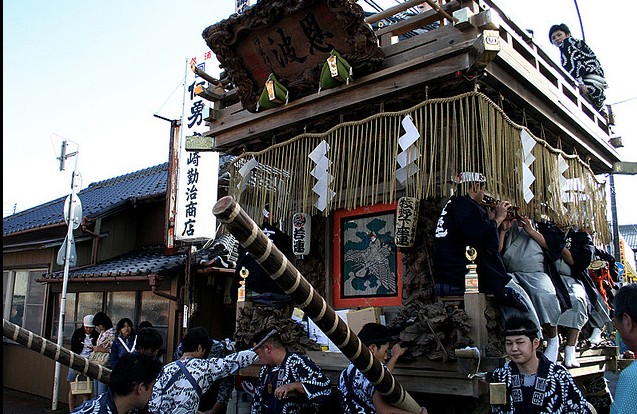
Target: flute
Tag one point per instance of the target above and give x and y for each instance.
(490, 202)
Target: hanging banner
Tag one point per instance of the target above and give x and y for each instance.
(301, 228)
(198, 171)
(406, 221)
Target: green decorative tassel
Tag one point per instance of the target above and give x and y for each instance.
(273, 95)
(335, 71)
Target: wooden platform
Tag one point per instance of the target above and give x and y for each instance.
(453, 378)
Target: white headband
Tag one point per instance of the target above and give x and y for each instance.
(475, 177)
(274, 331)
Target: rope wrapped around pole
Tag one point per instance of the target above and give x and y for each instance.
(288, 278)
(57, 353)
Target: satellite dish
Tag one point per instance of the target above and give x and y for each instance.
(77, 211)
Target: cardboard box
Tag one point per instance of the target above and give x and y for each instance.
(357, 318)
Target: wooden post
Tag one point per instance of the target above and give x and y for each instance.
(475, 303)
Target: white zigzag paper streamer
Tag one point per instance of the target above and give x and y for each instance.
(323, 178)
(562, 166)
(527, 159)
(409, 154)
(246, 173)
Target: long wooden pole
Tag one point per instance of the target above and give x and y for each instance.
(284, 274)
(55, 352)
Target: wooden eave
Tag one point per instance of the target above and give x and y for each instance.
(408, 65)
(427, 66)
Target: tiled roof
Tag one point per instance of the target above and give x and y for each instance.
(629, 231)
(144, 262)
(100, 197)
(96, 199)
(137, 263)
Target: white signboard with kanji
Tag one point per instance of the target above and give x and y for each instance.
(198, 172)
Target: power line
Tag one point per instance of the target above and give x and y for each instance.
(579, 16)
(625, 100)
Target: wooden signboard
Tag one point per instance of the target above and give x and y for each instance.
(291, 39)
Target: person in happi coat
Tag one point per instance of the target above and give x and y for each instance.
(579, 60)
(625, 305)
(525, 254)
(465, 222)
(215, 400)
(533, 383)
(587, 303)
(358, 394)
(181, 383)
(288, 383)
(130, 387)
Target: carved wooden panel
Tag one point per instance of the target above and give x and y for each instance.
(291, 39)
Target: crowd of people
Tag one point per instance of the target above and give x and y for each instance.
(291, 383)
(288, 382)
(534, 269)
(546, 269)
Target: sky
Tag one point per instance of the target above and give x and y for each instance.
(95, 74)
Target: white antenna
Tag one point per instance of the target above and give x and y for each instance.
(63, 155)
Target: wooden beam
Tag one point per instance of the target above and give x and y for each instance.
(629, 168)
(418, 376)
(309, 108)
(475, 305)
(417, 21)
(485, 48)
(404, 72)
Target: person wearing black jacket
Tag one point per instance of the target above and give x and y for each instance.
(577, 255)
(464, 222)
(82, 341)
(262, 288)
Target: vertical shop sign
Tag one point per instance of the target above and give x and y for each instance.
(198, 171)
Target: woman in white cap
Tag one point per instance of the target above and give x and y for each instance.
(82, 342)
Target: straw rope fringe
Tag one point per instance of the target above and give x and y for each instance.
(468, 132)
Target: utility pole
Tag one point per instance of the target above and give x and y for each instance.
(613, 214)
(66, 256)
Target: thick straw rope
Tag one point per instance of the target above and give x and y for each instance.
(468, 132)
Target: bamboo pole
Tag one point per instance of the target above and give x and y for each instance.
(288, 278)
(55, 352)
